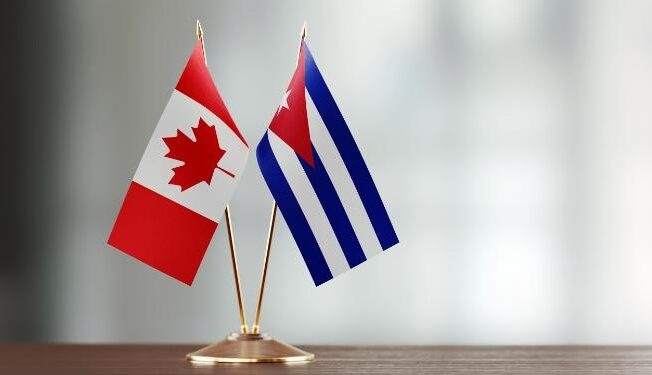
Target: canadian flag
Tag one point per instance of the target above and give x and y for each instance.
(185, 179)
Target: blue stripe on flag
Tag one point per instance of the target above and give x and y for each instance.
(350, 153)
(294, 217)
(334, 210)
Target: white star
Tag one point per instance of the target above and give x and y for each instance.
(284, 102)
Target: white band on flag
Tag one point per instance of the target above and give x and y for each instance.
(310, 205)
(342, 182)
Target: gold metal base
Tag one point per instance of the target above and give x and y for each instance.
(249, 348)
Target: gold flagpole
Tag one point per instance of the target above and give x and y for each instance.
(249, 347)
(236, 273)
(229, 228)
(255, 328)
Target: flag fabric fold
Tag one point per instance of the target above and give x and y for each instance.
(317, 175)
(185, 178)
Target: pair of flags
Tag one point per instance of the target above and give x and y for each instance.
(192, 163)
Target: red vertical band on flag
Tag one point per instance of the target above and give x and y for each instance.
(291, 120)
(162, 233)
(197, 83)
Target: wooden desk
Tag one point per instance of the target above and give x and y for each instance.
(169, 359)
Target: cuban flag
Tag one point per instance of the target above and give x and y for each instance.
(316, 174)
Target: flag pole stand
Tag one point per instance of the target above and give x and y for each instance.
(249, 348)
(254, 347)
(246, 347)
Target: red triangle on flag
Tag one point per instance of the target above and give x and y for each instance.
(291, 120)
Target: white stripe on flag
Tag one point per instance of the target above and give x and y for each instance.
(342, 182)
(310, 205)
(155, 169)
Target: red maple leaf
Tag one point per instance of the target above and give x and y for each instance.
(199, 157)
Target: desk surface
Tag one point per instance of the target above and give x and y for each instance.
(169, 359)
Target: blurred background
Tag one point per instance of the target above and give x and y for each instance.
(510, 140)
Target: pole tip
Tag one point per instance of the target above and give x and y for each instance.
(304, 30)
(200, 31)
